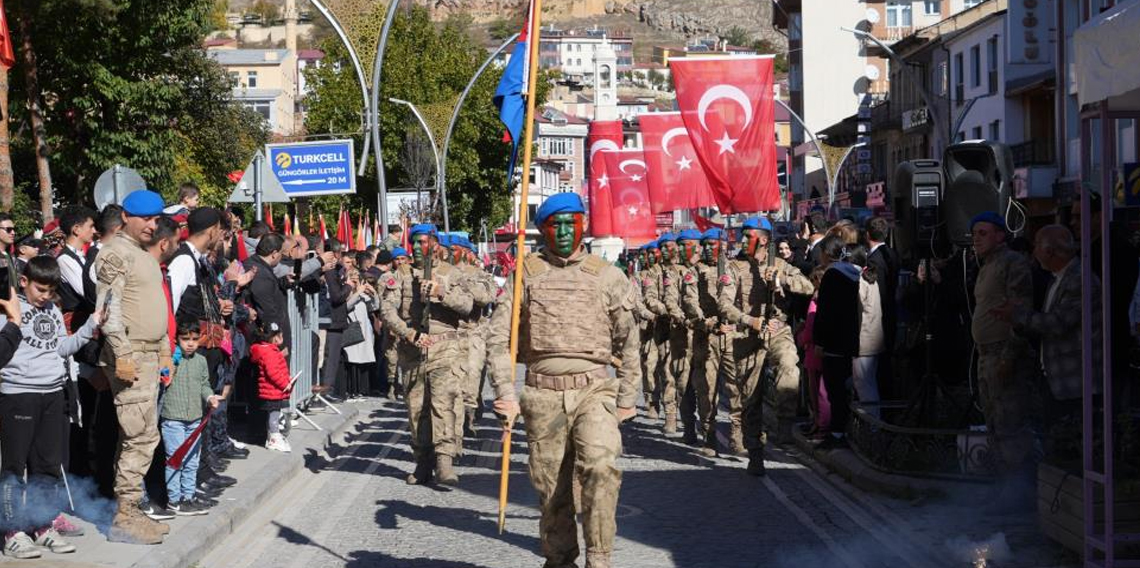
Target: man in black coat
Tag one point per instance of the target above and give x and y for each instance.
(266, 292)
(886, 263)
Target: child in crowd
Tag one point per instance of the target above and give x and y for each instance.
(273, 381)
(33, 416)
(813, 365)
(182, 410)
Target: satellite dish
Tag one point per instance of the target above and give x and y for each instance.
(871, 72)
(872, 15)
(115, 183)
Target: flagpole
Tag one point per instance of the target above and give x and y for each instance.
(520, 251)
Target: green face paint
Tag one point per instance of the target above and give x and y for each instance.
(563, 233)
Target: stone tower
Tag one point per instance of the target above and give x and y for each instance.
(605, 82)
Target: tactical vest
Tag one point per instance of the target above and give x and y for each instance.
(200, 301)
(565, 314)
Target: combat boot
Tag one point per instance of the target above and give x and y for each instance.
(756, 463)
(128, 526)
(469, 423)
(598, 560)
(711, 447)
(444, 472)
(670, 429)
(651, 412)
(736, 442)
(422, 475)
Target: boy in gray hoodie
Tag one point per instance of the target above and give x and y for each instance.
(33, 415)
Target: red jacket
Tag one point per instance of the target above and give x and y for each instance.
(272, 371)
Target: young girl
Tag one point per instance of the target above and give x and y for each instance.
(813, 364)
(272, 381)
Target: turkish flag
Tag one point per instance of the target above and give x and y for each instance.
(728, 107)
(629, 194)
(605, 135)
(676, 179)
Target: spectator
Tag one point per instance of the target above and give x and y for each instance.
(836, 332)
(394, 239)
(265, 292)
(188, 195)
(338, 293)
(813, 364)
(27, 248)
(885, 261)
(360, 357)
(784, 251)
(182, 411)
(33, 415)
(871, 344)
(1003, 378)
(273, 381)
(76, 291)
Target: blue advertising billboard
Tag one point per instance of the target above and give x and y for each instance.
(324, 167)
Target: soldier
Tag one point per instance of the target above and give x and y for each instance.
(654, 295)
(649, 283)
(424, 314)
(576, 317)
(681, 338)
(392, 368)
(712, 347)
(483, 291)
(756, 297)
(128, 280)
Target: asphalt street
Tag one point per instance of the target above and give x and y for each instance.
(676, 509)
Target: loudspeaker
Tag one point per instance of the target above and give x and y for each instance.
(918, 189)
(979, 178)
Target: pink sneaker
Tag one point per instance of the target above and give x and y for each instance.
(65, 527)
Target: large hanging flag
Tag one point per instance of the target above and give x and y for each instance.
(676, 179)
(510, 94)
(341, 232)
(604, 136)
(728, 107)
(324, 230)
(7, 50)
(631, 212)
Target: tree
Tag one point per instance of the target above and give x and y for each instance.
(764, 46)
(737, 36)
(503, 28)
(267, 11)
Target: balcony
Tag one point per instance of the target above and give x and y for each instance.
(1033, 153)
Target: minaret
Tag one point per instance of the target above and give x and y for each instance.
(605, 82)
(291, 25)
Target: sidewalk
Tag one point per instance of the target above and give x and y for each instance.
(259, 477)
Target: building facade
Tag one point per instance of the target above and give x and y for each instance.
(573, 52)
(265, 80)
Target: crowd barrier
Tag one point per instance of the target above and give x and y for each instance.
(303, 322)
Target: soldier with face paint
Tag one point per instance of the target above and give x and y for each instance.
(655, 332)
(400, 270)
(576, 318)
(483, 291)
(712, 351)
(425, 316)
(655, 298)
(681, 338)
(764, 337)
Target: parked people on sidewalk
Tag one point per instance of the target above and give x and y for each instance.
(273, 381)
(836, 332)
(34, 414)
(360, 356)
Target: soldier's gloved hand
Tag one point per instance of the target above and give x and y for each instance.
(626, 414)
(125, 370)
(507, 410)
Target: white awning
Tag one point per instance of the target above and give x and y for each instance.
(1107, 54)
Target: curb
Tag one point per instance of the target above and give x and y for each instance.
(203, 533)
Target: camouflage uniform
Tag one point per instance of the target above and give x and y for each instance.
(742, 301)
(434, 378)
(657, 368)
(136, 335)
(577, 314)
(712, 350)
(647, 325)
(1004, 378)
(393, 368)
(483, 291)
(680, 342)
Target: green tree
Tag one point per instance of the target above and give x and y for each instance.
(763, 46)
(737, 36)
(503, 28)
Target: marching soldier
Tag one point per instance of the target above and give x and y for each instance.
(400, 270)
(576, 318)
(676, 335)
(712, 347)
(654, 336)
(755, 296)
(681, 339)
(483, 291)
(424, 313)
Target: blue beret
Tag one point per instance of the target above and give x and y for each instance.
(445, 239)
(689, 235)
(143, 203)
(666, 238)
(988, 217)
(761, 223)
(652, 245)
(422, 229)
(568, 202)
(398, 252)
(713, 234)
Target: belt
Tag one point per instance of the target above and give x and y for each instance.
(447, 336)
(146, 346)
(565, 382)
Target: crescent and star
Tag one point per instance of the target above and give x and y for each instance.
(726, 143)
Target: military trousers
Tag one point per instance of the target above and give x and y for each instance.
(136, 406)
(574, 433)
(779, 352)
(433, 391)
(476, 360)
(712, 358)
(648, 365)
(677, 371)
(660, 367)
(1004, 381)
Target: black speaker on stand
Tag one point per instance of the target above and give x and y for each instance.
(979, 178)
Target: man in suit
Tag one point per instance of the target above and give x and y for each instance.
(886, 263)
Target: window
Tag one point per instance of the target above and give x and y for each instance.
(960, 137)
(932, 7)
(992, 59)
(251, 79)
(995, 131)
(260, 107)
(557, 146)
(977, 133)
(941, 78)
(959, 79)
(235, 78)
(976, 66)
(898, 14)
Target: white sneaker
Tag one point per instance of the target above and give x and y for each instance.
(278, 443)
(20, 546)
(286, 444)
(51, 540)
(237, 444)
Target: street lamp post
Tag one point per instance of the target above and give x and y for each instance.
(440, 188)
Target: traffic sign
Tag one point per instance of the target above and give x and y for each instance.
(314, 168)
(115, 183)
(258, 179)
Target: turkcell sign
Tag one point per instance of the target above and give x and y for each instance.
(324, 167)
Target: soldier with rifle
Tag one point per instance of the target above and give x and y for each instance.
(657, 356)
(681, 342)
(755, 296)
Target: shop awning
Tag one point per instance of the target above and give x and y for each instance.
(1106, 55)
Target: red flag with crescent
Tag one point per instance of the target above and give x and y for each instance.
(728, 106)
(632, 213)
(676, 179)
(604, 135)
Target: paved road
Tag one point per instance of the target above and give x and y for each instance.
(676, 509)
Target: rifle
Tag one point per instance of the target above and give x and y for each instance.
(770, 305)
(425, 321)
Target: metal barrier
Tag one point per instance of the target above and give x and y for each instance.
(303, 315)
